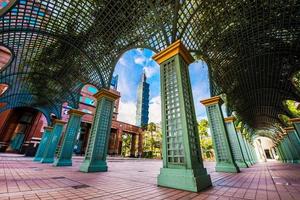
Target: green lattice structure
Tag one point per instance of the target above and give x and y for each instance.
(59, 46)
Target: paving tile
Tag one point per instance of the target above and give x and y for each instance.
(20, 178)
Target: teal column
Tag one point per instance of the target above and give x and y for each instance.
(254, 153)
(291, 147)
(224, 156)
(281, 150)
(243, 146)
(293, 136)
(49, 153)
(43, 144)
(278, 152)
(296, 124)
(96, 152)
(234, 143)
(73, 127)
(287, 151)
(182, 162)
(249, 151)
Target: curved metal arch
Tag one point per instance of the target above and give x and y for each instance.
(75, 101)
(41, 32)
(47, 116)
(4, 98)
(121, 53)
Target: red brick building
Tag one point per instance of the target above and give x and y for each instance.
(21, 128)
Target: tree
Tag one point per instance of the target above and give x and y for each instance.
(205, 140)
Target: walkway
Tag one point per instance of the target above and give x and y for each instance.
(20, 178)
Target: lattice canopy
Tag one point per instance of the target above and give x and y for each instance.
(251, 47)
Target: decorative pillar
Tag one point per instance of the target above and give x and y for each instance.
(234, 143)
(293, 137)
(140, 145)
(43, 144)
(49, 153)
(284, 156)
(224, 156)
(243, 146)
(118, 148)
(287, 151)
(133, 145)
(296, 124)
(292, 148)
(182, 161)
(73, 127)
(95, 156)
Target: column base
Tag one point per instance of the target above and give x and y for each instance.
(242, 164)
(37, 159)
(295, 161)
(47, 160)
(61, 163)
(92, 166)
(249, 163)
(184, 179)
(226, 167)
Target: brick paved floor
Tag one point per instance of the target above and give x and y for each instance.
(20, 178)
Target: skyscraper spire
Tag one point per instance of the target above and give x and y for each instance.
(142, 110)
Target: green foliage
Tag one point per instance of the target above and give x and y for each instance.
(205, 140)
(152, 142)
(292, 107)
(126, 144)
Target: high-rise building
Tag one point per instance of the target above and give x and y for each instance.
(142, 110)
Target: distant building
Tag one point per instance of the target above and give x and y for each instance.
(142, 110)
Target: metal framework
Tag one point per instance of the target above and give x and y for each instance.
(251, 47)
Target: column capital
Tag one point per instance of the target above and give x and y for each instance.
(294, 120)
(229, 119)
(106, 93)
(212, 101)
(76, 112)
(48, 128)
(58, 121)
(288, 129)
(172, 50)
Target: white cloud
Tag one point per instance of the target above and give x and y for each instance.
(155, 110)
(151, 70)
(139, 60)
(122, 61)
(127, 112)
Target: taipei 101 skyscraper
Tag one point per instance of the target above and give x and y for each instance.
(142, 110)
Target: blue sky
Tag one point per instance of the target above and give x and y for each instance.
(130, 67)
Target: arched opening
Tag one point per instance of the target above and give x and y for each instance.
(198, 71)
(20, 130)
(5, 57)
(264, 149)
(3, 88)
(137, 130)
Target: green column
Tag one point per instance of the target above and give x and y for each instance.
(182, 161)
(292, 148)
(254, 153)
(249, 151)
(293, 136)
(284, 156)
(296, 124)
(243, 146)
(96, 152)
(280, 157)
(49, 153)
(287, 150)
(65, 154)
(43, 144)
(234, 143)
(224, 156)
